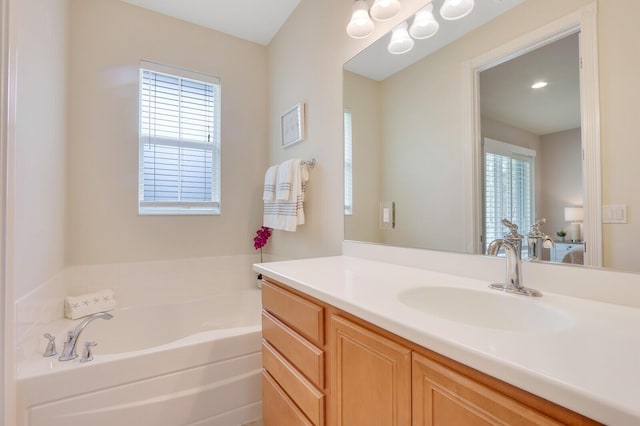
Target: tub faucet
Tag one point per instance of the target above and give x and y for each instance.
(512, 244)
(69, 349)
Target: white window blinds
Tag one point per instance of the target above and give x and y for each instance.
(179, 141)
(348, 164)
(509, 188)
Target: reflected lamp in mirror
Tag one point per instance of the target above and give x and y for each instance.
(401, 42)
(360, 25)
(424, 23)
(383, 10)
(574, 215)
(456, 9)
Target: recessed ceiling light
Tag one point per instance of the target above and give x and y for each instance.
(539, 85)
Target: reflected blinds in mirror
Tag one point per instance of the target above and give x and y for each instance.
(348, 163)
(508, 188)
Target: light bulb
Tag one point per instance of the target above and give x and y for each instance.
(424, 24)
(456, 9)
(381, 10)
(360, 25)
(400, 41)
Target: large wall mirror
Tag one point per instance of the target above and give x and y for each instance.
(408, 137)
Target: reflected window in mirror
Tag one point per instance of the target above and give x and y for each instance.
(509, 186)
(348, 163)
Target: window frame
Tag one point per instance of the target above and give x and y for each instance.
(179, 207)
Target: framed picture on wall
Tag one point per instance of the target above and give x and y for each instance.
(292, 125)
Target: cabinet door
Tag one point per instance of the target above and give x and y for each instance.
(370, 377)
(443, 397)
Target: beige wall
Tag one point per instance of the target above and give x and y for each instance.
(561, 172)
(363, 97)
(305, 64)
(40, 141)
(619, 93)
(108, 39)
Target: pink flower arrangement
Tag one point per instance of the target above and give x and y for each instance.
(261, 238)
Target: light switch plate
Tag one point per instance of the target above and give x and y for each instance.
(614, 213)
(387, 215)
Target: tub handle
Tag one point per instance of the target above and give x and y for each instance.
(51, 346)
(87, 353)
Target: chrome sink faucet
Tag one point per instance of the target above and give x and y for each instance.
(512, 244)
(69, 349)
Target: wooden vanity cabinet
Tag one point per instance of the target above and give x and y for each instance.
(293, 358)
(372, 377)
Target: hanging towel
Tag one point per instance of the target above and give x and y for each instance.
(284, 182)
(288, 214)
(269, 192)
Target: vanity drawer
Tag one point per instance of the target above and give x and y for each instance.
(304, 316)
(306, 357)
(278, 407)
(301, 391)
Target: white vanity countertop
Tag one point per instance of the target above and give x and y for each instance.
(592, 366)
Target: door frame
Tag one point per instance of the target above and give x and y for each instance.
(584, 21)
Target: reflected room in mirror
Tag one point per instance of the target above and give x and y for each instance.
(454, 156)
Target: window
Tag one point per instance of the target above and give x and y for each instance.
(509, 188)
(179, 141)
(348, 164)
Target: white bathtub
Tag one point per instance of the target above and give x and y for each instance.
(192, 363)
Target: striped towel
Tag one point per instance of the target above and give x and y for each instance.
(269, 192)
(288, 214)
(285, 178)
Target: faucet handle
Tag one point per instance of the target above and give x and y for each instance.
(87, 353)
(51, 345)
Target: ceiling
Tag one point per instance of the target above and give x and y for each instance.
(254, 20)
(506, 94)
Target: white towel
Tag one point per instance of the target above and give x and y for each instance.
(87, 304)
(269, 192)
(288, 214)
(284, 183)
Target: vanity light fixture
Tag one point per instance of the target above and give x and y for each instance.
(360, 25)
(539, 85)
(401, 42)
(424, 24)
(456, 9)
(382, 10)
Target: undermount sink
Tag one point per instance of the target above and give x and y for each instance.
(487, 309)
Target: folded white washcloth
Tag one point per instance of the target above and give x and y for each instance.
(90, 303)
(269, 192)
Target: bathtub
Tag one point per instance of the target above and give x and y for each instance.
(191, 363)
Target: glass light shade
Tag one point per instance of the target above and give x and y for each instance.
(400, 41)
(573, 214)
(360, 25)
(424, 24)
(456, 9)
(381, 10)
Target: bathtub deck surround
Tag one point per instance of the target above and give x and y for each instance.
(566, 359)
(186, 332)
(185, 363)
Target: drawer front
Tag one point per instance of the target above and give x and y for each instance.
(305, 395)
(306, 357)
(305, 317)
(278, 409)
